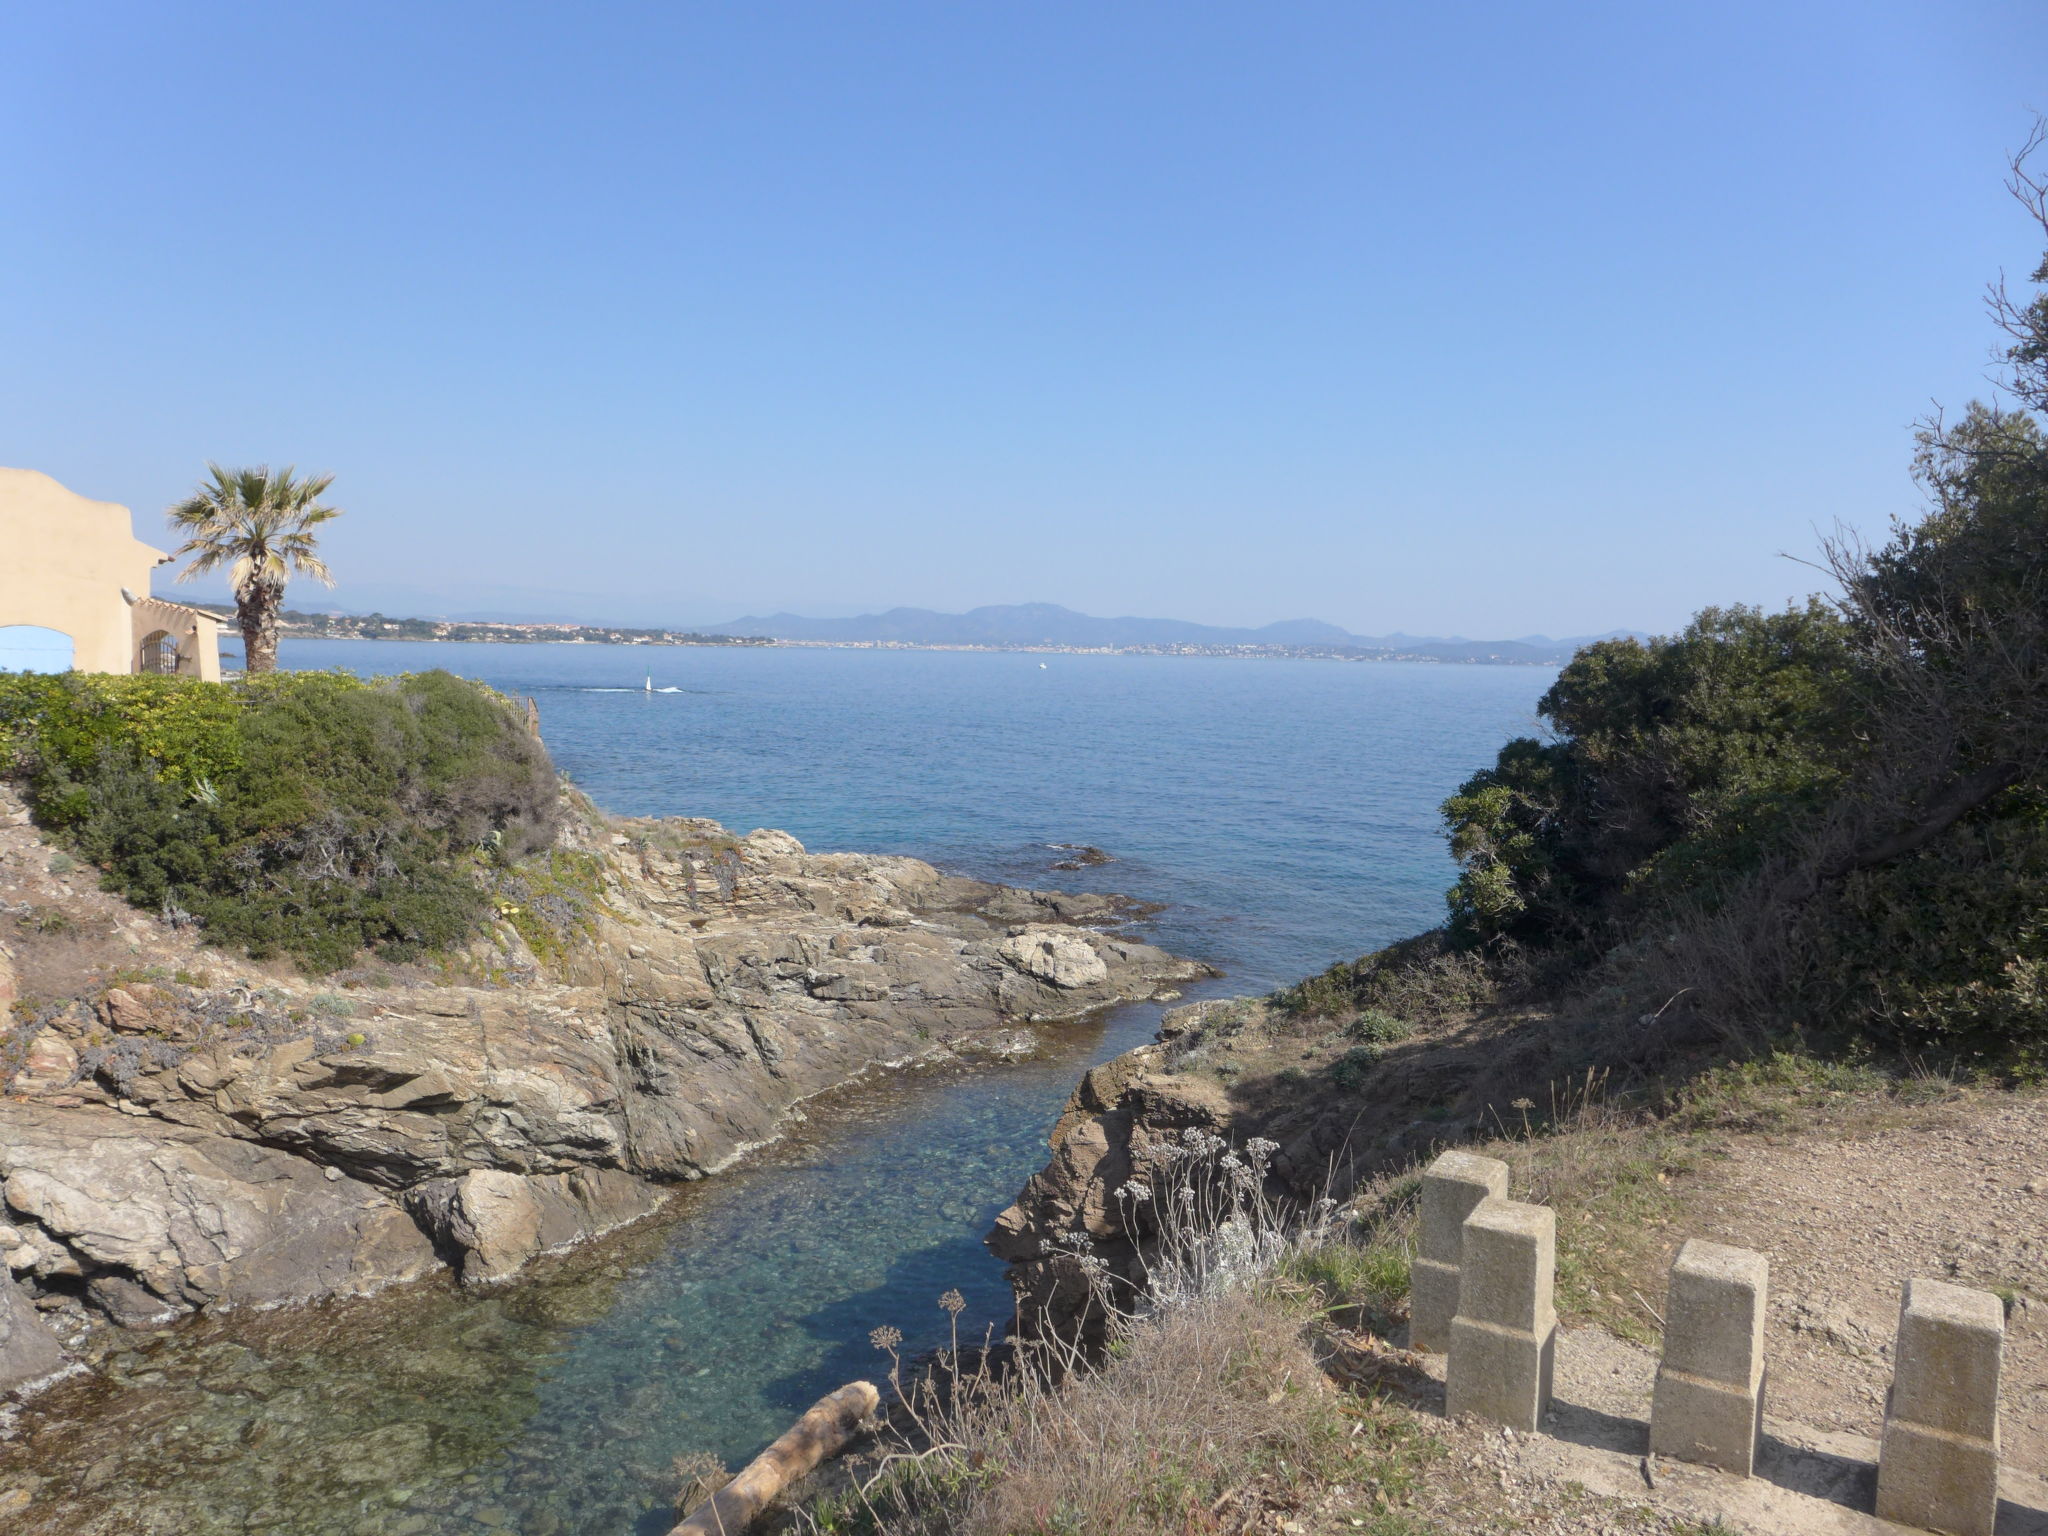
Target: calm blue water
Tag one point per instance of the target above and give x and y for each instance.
(1284, 811)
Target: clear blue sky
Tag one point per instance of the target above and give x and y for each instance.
(1477, 318)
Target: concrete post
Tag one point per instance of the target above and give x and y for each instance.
(1451, 1186)
(1709, 1400)
(1938, 1466)
(1504, 1338)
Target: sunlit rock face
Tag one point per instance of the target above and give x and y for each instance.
(185, 1140)
(151, 1219)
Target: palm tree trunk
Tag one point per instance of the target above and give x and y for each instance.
(256, 609)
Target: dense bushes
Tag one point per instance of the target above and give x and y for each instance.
(305, 813)
(1833, 818)
(1676, 765)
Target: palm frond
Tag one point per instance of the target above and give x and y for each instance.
(255, 520)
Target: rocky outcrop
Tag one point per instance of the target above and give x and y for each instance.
(757, 975)
(652, 1006)
(1310, 1104)
(1122, 1126)
(148, 1220)
(30, 1354)
(1055, 958)
(491, 1222)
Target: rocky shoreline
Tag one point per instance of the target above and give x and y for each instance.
(182, 1132)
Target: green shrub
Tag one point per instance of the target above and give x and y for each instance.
(310, 813)
(1354, 1069)
(1375, 1026)
(1425, 978)
(1832, 819)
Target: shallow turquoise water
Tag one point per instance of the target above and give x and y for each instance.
(1285, 812)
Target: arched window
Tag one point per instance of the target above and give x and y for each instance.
(159, 654)
(31, 648)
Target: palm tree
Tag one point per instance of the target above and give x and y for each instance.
(258, 524)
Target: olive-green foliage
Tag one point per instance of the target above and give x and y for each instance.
(308, 813)
(1354, 1069)
(1692, 752)
(551, 900)
(1835, 817)
(1376, 1026)
(1422, 978)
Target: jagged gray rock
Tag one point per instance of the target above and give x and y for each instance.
(29, 1353)
(491, 1222)
(712, 984)
(157, 1219)
(1056, 957)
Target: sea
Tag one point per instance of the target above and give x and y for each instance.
(1281, 812)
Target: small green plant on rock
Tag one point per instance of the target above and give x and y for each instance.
(1375, 1026)
(1354, 1069)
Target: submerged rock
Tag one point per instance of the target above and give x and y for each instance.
(1080, 856)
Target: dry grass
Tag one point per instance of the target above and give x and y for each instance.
(1214, 1411)
(1208, 1417)
(1612, 1166)
(1206, 1411)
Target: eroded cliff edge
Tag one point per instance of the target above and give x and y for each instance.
(1337, 1099)
(179, 1130)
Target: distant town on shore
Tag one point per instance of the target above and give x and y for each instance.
(1027, 627)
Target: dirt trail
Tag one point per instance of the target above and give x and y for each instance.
(1847, 1211)
(1955, 1191)
(1848, 1207)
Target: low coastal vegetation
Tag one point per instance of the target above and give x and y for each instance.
(310, 814)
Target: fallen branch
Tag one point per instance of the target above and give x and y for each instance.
(821, 1432)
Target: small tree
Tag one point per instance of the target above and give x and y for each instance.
(259, 524)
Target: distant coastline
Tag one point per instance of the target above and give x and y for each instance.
(296, 624)
(376, 626)
(1242, 652)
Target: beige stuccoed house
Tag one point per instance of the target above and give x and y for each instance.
(74, 590)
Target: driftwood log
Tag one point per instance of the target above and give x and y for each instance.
(821, 1432)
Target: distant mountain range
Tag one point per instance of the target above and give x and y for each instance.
(1028, 624)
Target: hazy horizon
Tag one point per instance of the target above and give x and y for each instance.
(543, 607)
(1488, 322)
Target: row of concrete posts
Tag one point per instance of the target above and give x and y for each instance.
(1483, 1296)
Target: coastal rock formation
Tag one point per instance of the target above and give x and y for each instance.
(1122, 1125)
(1332, 1100)
(149, 1219)
(1054, 957)
(29, 1353)
(747, 975)
(495, 1221)
(179, 1128)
